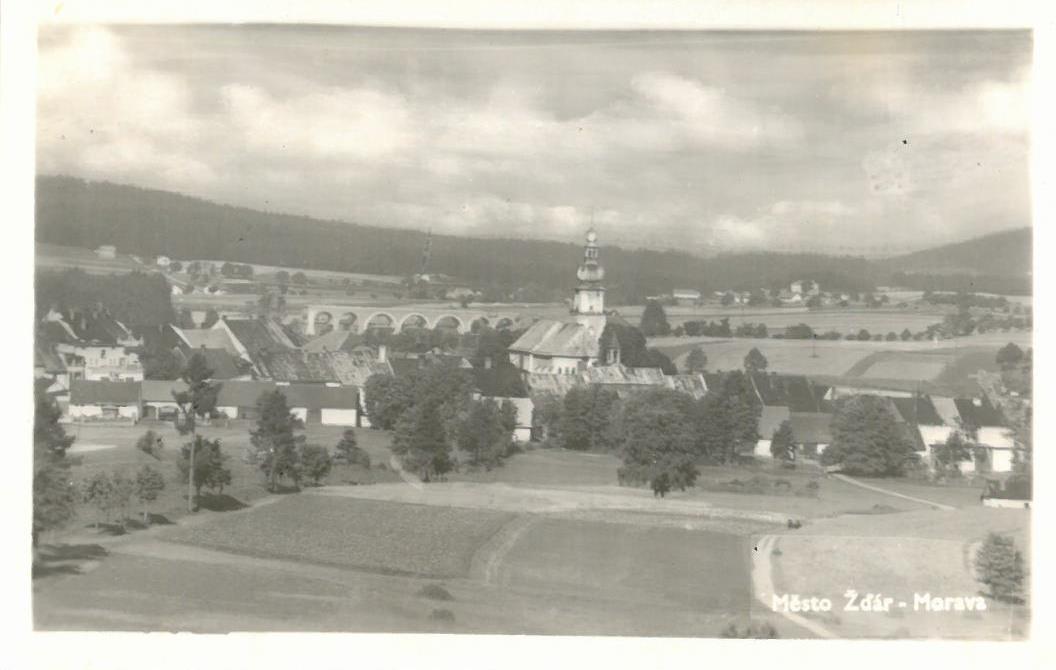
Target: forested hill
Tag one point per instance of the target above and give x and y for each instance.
(1007, 253)
(149, 222)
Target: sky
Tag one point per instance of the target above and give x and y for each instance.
(870, 143)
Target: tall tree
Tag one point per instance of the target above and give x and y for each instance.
(728, 418)
(866, 440)
(1009, 356)
(654, 320)
(755, 361)
(53, 492)
(350, 451)
(656, 428)
(420, 443)
(696, 361)
(198, 401)
(782, 443)
(210, 468)
(275, 440)
(587, 418)
(484, 435)
(149, 485)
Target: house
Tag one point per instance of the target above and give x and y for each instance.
(115, 401)
(686, 296)
(321, 404)
(568, 346)
(106, 252)
(524, 406)
(157, 399)
(996, 446)
(238, 399)
(802, 403)
(919, 412)
(91, 345)
(252, 339)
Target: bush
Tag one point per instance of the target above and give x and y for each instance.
(999, 566)
(435, 592)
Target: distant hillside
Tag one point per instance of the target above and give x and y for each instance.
(149, 222)
(1005, 254)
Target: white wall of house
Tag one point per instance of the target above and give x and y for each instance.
(1000, 460)
(300, 412)
(339, 417)
(762, 449)
(130, 412)
(997, 437)
(229, 412)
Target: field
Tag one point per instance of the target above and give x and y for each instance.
(547, 544)
(362, 534)
(110, 448)
(944, 367)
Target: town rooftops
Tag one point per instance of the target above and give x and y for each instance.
(85, 392)
(156, 390)
(547, 337)
(223, 364)
(979, 412)
(692, 384)
(258, 335)
(210, 338)
(343, 367)
(242, 393)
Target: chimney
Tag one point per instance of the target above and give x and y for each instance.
(383, 353)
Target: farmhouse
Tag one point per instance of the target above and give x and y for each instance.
(568, 346)
(802, 403)
(996, 448)
(326, 405)
(92, 400)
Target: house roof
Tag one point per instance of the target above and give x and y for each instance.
(979, 412)
(918, 410)
(210, 338)
(257, 335)
(242, 393)
(223, 364)
(770, 420)
(620, 374)
(44, 356)
(155, 390)
(692, 384)
(57, 332)
(347, 368)
(316, 396)
(811, 428)
(547, 337)
(85, 392)
(332, 341)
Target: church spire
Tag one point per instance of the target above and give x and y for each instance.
(589, 301)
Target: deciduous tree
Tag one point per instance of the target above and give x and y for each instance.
(659, 446)
(866, 440)
(275, 440)
(149, 485)
(755, 361)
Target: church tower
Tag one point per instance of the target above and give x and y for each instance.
(588, 305)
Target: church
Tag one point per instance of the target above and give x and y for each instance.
(569, 346)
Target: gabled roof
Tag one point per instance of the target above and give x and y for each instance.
(223, 364)
(692, 384)
(770, 420)
(347, 368)
(979, 412)
(210, 338)
(257, 335)
(547, 337)
(918, 410)
(242, 393)
(85, 392)
(44, 356)
(156, 390)
(57, 332)
(332, 341)
(315, 396)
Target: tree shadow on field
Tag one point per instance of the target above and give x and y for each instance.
(59, 559)
(220, 503)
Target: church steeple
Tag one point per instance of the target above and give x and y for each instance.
(589, 302)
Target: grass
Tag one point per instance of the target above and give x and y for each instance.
(704, 570)
(899, 555)
(384, 537)
(247, 482)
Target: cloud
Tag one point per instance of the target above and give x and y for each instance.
(663, 151)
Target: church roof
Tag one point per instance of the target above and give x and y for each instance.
(547, 337)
